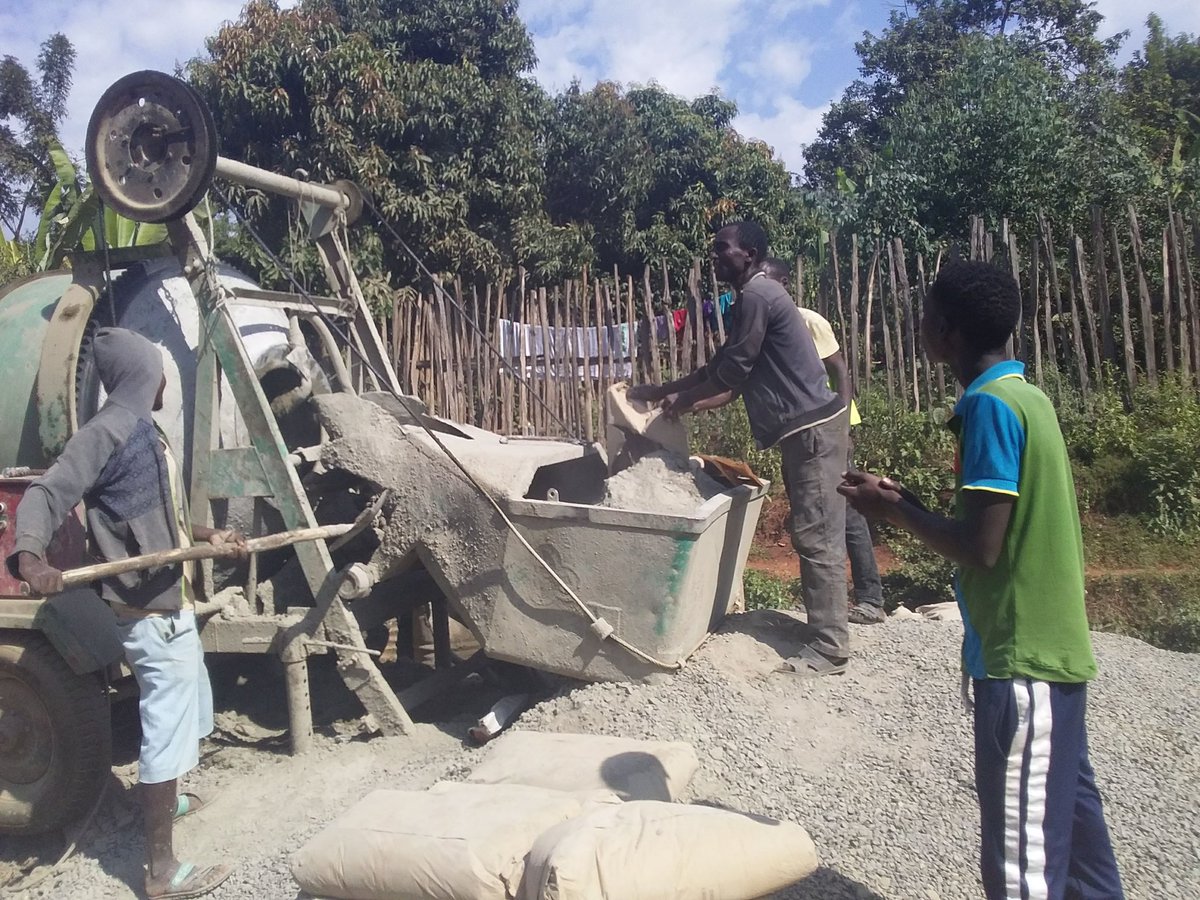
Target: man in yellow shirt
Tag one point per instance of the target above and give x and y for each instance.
(867, 608)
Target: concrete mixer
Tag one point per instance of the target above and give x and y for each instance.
(289, 415)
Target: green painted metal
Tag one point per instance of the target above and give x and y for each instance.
(26, 308)
(237, 473)
(222, 350)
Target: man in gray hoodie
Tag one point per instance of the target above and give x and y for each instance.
(120, 466)
(770, 360)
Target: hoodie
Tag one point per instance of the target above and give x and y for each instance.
(117, 466)
(770, 358)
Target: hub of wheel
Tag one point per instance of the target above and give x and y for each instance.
(151, 147)
(26, 736)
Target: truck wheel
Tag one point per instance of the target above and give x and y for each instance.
(55, 738)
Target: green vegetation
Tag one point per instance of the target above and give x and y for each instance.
(765, 591)
(1003, 109)
(1137, 477)
(1009, 110)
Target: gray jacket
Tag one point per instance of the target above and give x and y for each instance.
(770, 358)
(115, 464)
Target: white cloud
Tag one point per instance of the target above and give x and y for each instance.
(784, 64)
(111, 39)
(634, 41)
(1119, 15)
(758, 52)
(786, 129)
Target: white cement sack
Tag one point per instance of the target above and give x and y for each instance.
(643, 424)
(666, 851)
(452, 842)
(633, 769)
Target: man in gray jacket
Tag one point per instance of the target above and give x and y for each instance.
(770, 360)
(119, 464)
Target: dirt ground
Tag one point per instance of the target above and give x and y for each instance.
(260, 797)
(772, 553)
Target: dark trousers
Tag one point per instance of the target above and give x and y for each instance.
(868, 589)
(813, 462)
(1043, 828)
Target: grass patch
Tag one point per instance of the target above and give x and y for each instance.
(1124, 542)
(1160, 608)
(765, 591)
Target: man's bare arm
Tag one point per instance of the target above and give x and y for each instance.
(975, 541)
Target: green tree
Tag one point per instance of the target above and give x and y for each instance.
(651, 175)
(31, 110)
(1161, 92)
(1002, 135)
(924, 41)
(425, 103)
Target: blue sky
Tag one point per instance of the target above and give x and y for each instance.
(782, 61)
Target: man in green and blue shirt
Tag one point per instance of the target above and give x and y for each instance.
(1016, 539)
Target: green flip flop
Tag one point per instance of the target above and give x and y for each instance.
(186, 804)
(189, 882)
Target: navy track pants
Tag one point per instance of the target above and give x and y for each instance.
(1044, 836)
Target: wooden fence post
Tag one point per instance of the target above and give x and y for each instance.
(1077, 350)
(1147, 315)
(868, 334)
(1190, 289)
(897, 320)
(1168, 335)
(905, 297)
(668, 311)
(1089, 317)
(854, 361)
(1185, 345)
(1128, 355)
(1103, 294)
(1035, 289)
(1017, 342)
(888, 359)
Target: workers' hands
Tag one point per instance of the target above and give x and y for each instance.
(874, 497)
(646, 393)
(43, 579)
(230, 538)
(676, 405)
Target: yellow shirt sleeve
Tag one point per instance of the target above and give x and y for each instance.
(821, 331)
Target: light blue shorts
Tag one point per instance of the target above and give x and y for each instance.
(176, 699)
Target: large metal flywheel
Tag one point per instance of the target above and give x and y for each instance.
(151, 147)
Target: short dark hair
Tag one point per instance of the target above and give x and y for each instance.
(751, 236)
(774, 267)
(979, 299)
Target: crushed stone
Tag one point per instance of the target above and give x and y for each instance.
(660, 482)
(875, 763)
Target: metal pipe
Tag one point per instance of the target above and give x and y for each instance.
(252, 176)
(295, 667)
(334, 354)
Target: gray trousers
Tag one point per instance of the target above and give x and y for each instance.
(868, 589)
(813, 463)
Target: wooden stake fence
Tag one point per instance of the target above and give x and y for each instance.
(543, 356)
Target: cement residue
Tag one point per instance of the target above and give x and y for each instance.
(660, 483)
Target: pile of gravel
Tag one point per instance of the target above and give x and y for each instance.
(876, 764)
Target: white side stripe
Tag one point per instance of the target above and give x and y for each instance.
(1035, 809)
(1012, 789)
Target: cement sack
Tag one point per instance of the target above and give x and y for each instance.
(636, 429)
(452, 842)
(667, 851)
(633, 769)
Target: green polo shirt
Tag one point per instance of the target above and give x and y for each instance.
(1024, 617)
